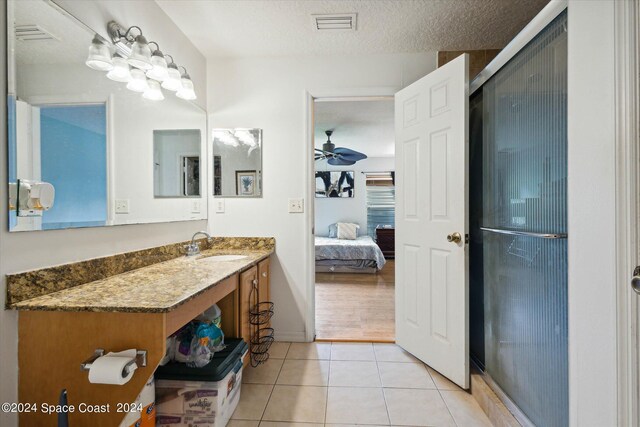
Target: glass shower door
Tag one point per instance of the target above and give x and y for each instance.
(524, 227)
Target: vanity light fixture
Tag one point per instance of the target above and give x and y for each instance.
(99, 55)
(138, 82)
(153, 91)
(121, 71)
(186, 91)
(159, 71)
(173, 81)
(134, 62)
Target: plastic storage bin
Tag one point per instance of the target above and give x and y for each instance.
(205, 396)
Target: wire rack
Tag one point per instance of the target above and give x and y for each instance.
(260, 314)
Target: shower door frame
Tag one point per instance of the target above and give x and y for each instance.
(627, 138)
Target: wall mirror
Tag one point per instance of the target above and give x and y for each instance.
(237, 162)
(84, 150)
(176, 163)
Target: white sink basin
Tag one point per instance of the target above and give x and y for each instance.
(223, 258)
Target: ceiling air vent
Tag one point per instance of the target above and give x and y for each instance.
(33, 32)
(335, 22)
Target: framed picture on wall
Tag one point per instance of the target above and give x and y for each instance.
(335, 184)
(246, 183)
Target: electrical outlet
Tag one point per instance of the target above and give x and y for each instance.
(195, 206)
(122, 206)
(219, 203)
(296, 205)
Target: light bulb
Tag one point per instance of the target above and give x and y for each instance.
(120, 71)
(159, 71)
(186, 91)
(153, 91)
(172, 82)
(138, 82)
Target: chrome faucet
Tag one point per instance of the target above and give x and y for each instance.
(193, 248)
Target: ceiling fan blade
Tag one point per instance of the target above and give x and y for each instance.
(348, 154)
(338, 161)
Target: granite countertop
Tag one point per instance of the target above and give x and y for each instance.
(157, 288)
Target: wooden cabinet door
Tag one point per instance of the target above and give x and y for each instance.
(263, 282)
(247, 279)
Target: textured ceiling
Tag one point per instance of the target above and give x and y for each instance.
(365, 126)
(229, 28)
(72, 42)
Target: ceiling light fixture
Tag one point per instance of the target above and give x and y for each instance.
(134, 62)
(99, 55)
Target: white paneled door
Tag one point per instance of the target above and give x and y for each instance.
(432, 302)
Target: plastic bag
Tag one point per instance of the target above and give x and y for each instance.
(213, 315)
(208, 338)
(196, 342)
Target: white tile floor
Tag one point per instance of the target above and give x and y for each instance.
(346, 384)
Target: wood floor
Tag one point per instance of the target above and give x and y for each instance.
(356, 307)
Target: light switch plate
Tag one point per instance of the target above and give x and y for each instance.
(195, 206)
(296, 205)
(219, 203)
(122, 206)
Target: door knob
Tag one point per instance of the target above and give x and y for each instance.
(454, 237)
(635, 280)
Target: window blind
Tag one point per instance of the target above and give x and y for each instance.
(381, 197)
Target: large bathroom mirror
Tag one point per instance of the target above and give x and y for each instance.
(84, 150)
(237, 162)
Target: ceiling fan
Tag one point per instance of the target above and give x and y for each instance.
(337, 156)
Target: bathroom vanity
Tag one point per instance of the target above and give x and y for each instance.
(138, 309)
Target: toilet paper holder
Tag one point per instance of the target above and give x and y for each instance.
(141, 359)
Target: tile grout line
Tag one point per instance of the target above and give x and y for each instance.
(326, 401)
(274, 386)
(440, 394)
(384, 395)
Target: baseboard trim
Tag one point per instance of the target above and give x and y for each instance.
(491, 404)
(290, 336)
(355, 340)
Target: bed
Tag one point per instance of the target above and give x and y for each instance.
(348, 256)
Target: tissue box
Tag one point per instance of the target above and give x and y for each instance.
(186, 403)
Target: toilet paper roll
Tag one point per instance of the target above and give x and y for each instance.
(112, 369)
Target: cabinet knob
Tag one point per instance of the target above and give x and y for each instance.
(254, 281)
(264, 274)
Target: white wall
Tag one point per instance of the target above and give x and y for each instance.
(269, 93)
(32, 250)
(591, 214)
(331, 210)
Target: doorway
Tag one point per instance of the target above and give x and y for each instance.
(353, 217)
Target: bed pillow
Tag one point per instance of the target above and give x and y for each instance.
(333, 230)
(347, 230)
